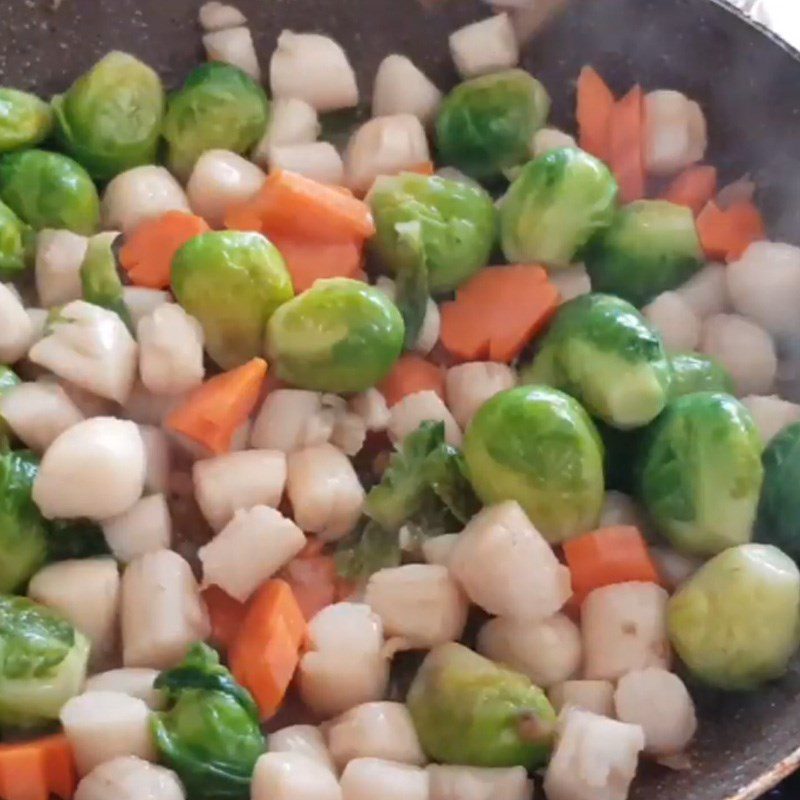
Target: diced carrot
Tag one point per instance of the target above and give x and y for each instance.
(147, 253)
(225, 614)
(606, 556)
(37, 770)
(497, 312)
(726, 234)
(411, 373)
(748, 226)
(693, 188)
(309, 260)
(626, 145)
(594, 109)
(212, 412)
(313, 581)
(266, 651)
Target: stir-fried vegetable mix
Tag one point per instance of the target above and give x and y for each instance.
(274, 410)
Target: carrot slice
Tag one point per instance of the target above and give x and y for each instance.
(225, 614)
(411, 373)
(610, 555)
(37, 770)
(212, 412)
(313, 581)
(497, 312)
(726, 234)
(266, 651)
(626, 145)
(748, 226)
(147, 253)
(594, 108)
(693, 188)
(309, 260)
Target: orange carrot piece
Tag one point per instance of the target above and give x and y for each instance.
(411, 373)
(425, 168)
(309, 260)
(693, 188)
(713, 228)
(626, 145)
(225, 614)
(147, 253)
(313, 581)
(38, 769)
(497, 312)
(594, 109)
(212, 412)
(747, 225)
(266, 651)
(726, 234)
(616, 554)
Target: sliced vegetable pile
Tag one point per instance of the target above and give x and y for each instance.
(271, 416)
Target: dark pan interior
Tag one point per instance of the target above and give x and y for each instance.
(748, 84)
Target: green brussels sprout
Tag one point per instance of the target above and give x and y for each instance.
(75, 538)
(8, 379)
(109, 120)
(554, 206)
(735, 622)
(218, 107)
(486, 124)
(17, 244)
(620, 450)
(651, 247)
(468, 710)
(25, 120)
(48, 190)
(100, 280)
(457, 226)
(603, 352)
(209, 734)
(537, 445)
(701, 473)
(42, 663)
(695, 372)
(23, 531)
(232, 282)
(340, 335)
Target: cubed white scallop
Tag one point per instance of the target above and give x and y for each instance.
(349, 433)
(319, 161)
(252, 547)
(234, 46)
(431, 328)
(624, 628)
(675, 132)
(420, 603)
(368, 778)
(16, 329)
(408, 414)
(488, 45)
(706, 292)
(146, 408)
(292, 776)
(130, 778)
(307, 740)
(100, 726)
(402, 88)
(38, 413)
(59, 255)
(548, 651)
(313, 68)
(144, 528)
(326, 495)
(507, 567)
(371, 407)
(439, 549)
(571, 282)
(38, 318)
(619, 509)
(469, 386)
(594, 696)
(770, 413)
(744, 348)
(162, 612)
(215, 16)
(384, 146)
(350, 627)
(673, 567)
(141, 302)
(547, 139)
(133, 681)
(89, 404)
(675, 320)
(94, 469)
(156, 457)
(292, 419)
(292, 121)
(479, 783)
(221, 179)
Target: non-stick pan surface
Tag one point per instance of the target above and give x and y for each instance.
(748, 84)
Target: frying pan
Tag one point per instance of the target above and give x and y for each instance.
(747, 81)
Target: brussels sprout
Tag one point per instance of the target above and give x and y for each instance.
(42, 662)
(468, 710)
(701, 473)
(75, 538)
(209, 734)
(537, 446)
(48, 190)
(620, 450)
(554, 206)
(109, 120)
(17, 244)
(651, 247)
(694, 372)
(99, 278)
(340, 335)
(457, 226)
(8, 379)
(603, 352)
(25, 120)
(735, 622)
(486, 124)
(231, 282)
(219, 107)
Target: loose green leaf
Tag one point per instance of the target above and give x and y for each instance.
(411, 282)
(368, 549)
(100, 280)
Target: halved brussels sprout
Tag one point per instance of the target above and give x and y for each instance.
(602, 351)
(554, 206)
(8, 379)
(340, 335)
(486, 124)
(701, 473)
(219, 107)
(456, 226)
(537, 446)
(735, 623)
(17, 244)
(100, 280)
(232, 282)
(48, 190)
(695, 372)
(25, 120)
(651, 247)
(109, 120)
